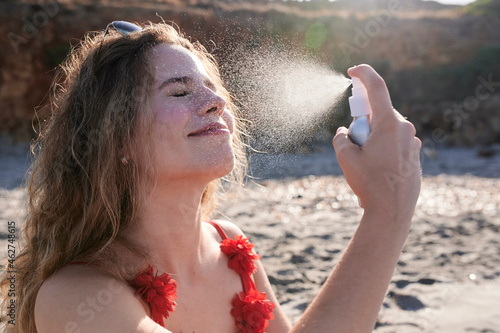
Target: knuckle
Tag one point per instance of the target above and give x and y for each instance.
(418, 143)
(336, 143)
(376, 82)
(409, 128)
(392, 124)
(340, 147)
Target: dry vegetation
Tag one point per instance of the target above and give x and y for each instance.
(435, 52)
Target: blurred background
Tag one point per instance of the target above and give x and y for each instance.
(441, 61)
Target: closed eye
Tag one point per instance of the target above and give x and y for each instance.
(179, 94)
(181, 86)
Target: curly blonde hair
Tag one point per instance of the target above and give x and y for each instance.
(81, 196)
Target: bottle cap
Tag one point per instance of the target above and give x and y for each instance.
(359, 103)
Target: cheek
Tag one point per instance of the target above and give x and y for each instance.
(229, 120)
(170, 115)
(170, 119)
(169, 125)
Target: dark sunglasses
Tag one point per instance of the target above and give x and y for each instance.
(123, 27)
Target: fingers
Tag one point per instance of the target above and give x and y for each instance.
(378, 94)
(384, 117)
(345, 149)
(418, 143)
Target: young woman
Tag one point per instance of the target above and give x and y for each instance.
(118, 235)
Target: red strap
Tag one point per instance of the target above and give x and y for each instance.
(221, 232)
(248, 283)
(246, 279)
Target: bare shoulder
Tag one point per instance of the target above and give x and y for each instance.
(85, 299)
(280, 323)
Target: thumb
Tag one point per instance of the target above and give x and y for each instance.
(345, 149)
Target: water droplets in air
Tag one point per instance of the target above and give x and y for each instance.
(286, 96)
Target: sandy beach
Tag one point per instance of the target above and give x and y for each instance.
(300, 213)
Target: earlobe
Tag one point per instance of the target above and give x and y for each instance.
(125, 155)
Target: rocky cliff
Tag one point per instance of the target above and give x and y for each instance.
(407, 41)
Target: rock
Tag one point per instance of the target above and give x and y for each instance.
(426, 281)
(28, 58)
(298, 259)
(486, 151)
(407, 302)
(402, 283)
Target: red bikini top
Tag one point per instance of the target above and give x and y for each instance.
(251, 308)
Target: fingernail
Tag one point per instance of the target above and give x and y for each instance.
(338, 130)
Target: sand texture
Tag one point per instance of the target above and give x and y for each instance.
(300, 213)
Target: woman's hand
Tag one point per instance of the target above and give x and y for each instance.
(385, 173)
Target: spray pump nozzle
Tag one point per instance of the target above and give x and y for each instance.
(359, 130)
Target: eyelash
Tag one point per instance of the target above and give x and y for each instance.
(179, 94)
(182, 93)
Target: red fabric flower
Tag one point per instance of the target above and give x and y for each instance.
(241, 256)
(252, 311)
(159, 291)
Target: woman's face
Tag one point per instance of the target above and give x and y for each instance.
(192, 128)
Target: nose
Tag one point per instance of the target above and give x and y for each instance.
(213, 103)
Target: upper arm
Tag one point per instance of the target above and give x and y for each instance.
(83, 299)
(280, 323)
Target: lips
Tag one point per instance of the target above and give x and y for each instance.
(211, 129)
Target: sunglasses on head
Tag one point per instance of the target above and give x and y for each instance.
(123, 27)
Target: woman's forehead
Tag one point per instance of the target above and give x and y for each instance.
(175, 61)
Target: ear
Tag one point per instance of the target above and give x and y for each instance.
(126, 154)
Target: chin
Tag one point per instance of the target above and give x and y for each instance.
(218, 168)
(207, 163)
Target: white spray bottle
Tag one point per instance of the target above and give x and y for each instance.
(360, 111)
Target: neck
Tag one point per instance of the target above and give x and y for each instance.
(169, 228)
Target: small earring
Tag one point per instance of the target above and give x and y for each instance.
(124, 160)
